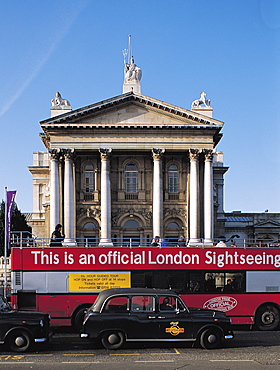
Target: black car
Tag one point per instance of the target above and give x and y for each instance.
(20, 329)
(136, 314)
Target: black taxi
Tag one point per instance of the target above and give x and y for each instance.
(19, 330)
(138, 314)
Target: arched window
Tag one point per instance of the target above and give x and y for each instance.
(89, 225)
(131, 224)
(173, 179)
(88, 179)
(173, 225)
(131, 178)
(90, 234)
(131, 233)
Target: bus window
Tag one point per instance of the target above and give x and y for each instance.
(210, 282)
(161, 279)
(195, 282)
(224, 282)
(234, 281)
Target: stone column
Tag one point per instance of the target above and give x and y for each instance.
(208, 197)
(157, 193)
(54, 189)
(105, 239)
(194, 196)
(69, 204)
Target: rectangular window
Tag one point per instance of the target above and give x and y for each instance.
(173, 182)
(89, 182)
(142, 303)
(117, 304)
(131, 182)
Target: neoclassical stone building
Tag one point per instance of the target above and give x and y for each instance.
(128, 168)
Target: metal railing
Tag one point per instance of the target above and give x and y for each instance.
(24, 239)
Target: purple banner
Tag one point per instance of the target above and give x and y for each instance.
(10, 196)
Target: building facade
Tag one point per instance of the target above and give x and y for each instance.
(124, 170)
(252, 229)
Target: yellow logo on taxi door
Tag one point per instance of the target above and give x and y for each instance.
(174, 329)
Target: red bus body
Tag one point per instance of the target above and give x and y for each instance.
(63, 281)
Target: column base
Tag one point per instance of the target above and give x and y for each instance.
(69, 243)
(208, 242)
(195, 242)
(105, 243)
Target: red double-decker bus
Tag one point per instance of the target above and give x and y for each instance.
(243, 282)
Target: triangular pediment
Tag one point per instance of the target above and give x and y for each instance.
(268, 224)
(132, 109)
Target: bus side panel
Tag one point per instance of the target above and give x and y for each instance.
(62, 306)
(240, 307)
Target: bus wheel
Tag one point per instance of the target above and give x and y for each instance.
(267, 318)
(210, 339)
(19, 340)
(113, 339)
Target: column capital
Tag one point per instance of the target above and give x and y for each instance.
(105, 153)
(157, 154)
(55, 154)
(194, 154)
(208, 153)
(68, 153)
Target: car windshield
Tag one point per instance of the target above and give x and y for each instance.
(4, 305)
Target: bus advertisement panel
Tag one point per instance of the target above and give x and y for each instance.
(244, 283)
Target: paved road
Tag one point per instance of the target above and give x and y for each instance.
(249, 350)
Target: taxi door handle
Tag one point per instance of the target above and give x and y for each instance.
(161, 317)
(151, 317)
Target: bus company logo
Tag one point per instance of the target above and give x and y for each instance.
(174, 329)
(222, 303)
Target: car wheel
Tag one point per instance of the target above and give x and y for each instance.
(79, 317)
(19, 340)
(267, 318)
(210, 339)
(113, 340)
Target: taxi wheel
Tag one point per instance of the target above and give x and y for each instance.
(267, 318)
(210, 339)
(113, 339)
(79, 317)
(19, 340)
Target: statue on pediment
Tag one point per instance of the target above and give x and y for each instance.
(202, 100)
(132, 72)
(58, 101)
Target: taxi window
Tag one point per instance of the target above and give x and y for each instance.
(167, 303)
(142, 303)
(117, 304)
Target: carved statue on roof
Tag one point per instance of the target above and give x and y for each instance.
(132, 72)
(202, 100)
(58, 101)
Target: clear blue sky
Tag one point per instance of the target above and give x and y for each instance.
(230, 49)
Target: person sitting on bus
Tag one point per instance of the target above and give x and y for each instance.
(56, 237)
(209, 284)
(155, 242)
(164, 243)
(228, 286)
(221, 244)
(234, 283)
(197, 287)
(181, 241)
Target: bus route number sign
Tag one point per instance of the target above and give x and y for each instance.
(97, 281)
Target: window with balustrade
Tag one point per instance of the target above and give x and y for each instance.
(89, 184)
(131, 181)
(173, 182)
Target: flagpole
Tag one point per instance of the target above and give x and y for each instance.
(5, 245)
